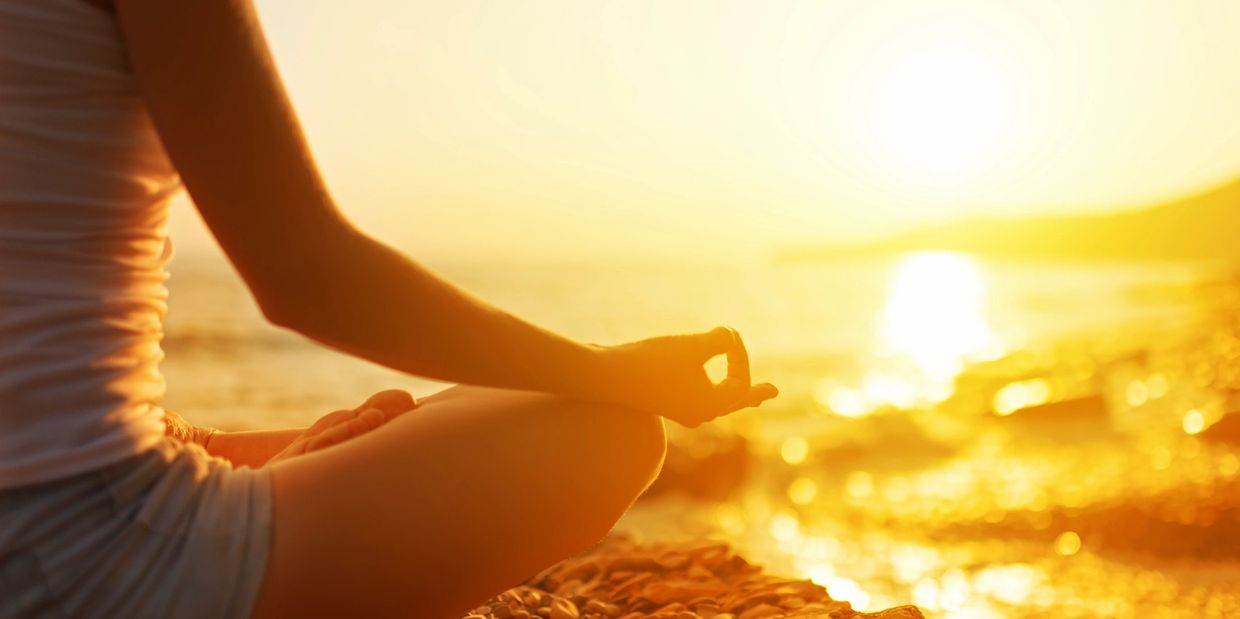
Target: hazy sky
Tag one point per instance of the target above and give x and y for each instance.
(459, 126)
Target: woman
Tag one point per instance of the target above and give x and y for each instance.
(109, 507)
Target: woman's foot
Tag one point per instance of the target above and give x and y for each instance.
(340, 426)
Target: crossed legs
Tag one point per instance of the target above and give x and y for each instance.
(440, 508)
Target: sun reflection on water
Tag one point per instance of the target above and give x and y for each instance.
(1024, 491)
(932, 323)
(934, 314)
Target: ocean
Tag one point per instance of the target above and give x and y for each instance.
(226, 365)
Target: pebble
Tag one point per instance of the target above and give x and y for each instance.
(622, 579)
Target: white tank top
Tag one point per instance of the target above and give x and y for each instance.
(84, 189)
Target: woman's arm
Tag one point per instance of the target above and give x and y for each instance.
(225, 120)
(215, 96)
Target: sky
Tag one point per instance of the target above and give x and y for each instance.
(727, 127)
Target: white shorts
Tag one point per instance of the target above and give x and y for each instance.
(171, 532)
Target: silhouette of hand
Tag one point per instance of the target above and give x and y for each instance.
(667, 376)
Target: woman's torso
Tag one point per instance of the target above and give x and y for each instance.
(84, 186)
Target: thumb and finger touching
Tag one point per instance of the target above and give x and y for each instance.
(736, 390)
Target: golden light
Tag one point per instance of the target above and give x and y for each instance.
(1020, 395)
(731, 519)
(848, 590)
(785, 527)
(1068, 543)
(1229, 465)
(926, 593)
(794, 450)
(955, 588)
(859, 485)
(820, 574)
(932, 323)
(802, 491)
(878, 389)
(1012, 584)
(841, 400)
(1137, 393)
(1194, 422)
(939, 109)
(934, 313)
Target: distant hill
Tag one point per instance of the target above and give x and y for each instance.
(1205, 226)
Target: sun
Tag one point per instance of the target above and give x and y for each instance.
(938, 109)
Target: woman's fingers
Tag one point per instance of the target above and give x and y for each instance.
(717, 341)
(731, 395)
(736, 391)
(360, 424)
(327, 421)
(724, 341)
(727, 394)
(761, 392)
(738, 359)
(681, 389)
(391, 402)
(377, 409)
(372, 418)
(334, 428)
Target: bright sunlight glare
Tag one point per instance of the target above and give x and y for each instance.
(933, 322)
(938, 110)
(935, 313)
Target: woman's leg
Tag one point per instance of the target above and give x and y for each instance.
(438, 509)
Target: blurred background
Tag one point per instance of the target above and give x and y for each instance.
(986, 250)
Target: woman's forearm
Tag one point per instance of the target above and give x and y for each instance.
(359, 296)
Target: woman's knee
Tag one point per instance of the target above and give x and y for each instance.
(628, 446)
(582, 463)
(644, 439)
(560, 472)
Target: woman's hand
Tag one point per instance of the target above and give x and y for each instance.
(259, 447)
(340, 426)
(667, 376)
